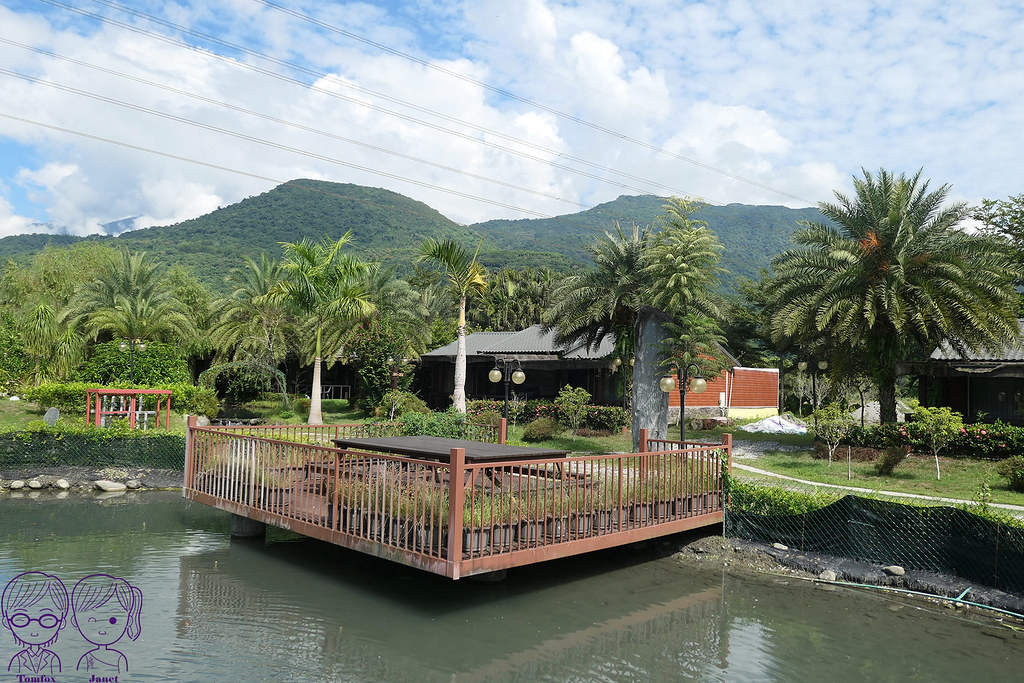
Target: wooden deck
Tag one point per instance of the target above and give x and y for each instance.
(457, 518)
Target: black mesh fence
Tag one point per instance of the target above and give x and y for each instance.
(46, 449)
(983, 548)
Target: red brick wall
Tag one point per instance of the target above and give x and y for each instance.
(751, 388)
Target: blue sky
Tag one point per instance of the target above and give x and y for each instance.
(497, 108)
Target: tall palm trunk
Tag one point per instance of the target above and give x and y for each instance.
(316, 416)
(650, 403)
(459, 394)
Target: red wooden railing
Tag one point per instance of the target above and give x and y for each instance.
(456, 518)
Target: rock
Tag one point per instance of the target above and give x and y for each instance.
(51, 416)
(35, 484)
(109, 486)
(779, 546)
(17, 484)
(133, 484)
(202, 421)
(62, 484)
(894, 570)
(827, 575)
(14, 398)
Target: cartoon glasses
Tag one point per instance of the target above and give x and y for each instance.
(22, 620)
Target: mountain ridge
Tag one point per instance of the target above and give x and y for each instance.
(388, 227)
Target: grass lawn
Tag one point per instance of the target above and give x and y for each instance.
(616, 443)
(961, 478)
(17, 414)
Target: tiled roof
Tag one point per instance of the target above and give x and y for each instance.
(1009, 353)
(524, 343)
(474, 343)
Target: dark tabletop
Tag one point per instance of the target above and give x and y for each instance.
(436, 448)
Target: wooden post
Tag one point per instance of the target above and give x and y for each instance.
(189, 453)
(502, 430)
(643, 441)
(131, 411)
(456, 499)
(727, 442)
(99, 408)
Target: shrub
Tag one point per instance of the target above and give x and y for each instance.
(1013, 470)
(302, 406)
(69, 397)
(333, 405)
(541, 429)
(488, 417)
(395, 403)
(572, 406)
(449, 424)
(891, 457)
(159, 364)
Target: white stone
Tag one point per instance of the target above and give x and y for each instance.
(133, 484)
(827, 575)
(894, 570)
(17, 484)
(62, 484)
(35, 484)
(779, 546)
(109, 486)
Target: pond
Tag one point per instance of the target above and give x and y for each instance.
(295, 609)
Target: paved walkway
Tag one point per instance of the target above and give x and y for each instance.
(1016, 510)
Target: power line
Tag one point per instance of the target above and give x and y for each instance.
(249, 174)
(285, 122)
(362, 103)
(511, 95)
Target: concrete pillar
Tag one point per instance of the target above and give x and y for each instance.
(243, 527)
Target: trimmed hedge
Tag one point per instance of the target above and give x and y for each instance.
(597, 418)
(987, 441)
(69, 397)
(68, 445)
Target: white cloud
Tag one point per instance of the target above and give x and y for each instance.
(789, 96)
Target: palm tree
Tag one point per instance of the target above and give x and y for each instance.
(252, 326)
(465, 276)
(323, 284)
(53, 348)
(891, 278)
(130, 298)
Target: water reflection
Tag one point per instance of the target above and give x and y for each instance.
(302, 610)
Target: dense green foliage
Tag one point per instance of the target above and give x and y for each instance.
(450, 424)
(989, 441)
(159, 364)
(572, 405)
(772, 501)
(595, 418)
(14, 363)
(69, 397)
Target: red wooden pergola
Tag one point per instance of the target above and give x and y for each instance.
(126, 403)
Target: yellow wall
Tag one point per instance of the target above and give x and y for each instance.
(752, 413)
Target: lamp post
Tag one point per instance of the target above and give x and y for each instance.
(130, 345)
(822, 365)
(497, 374)
(697, 384)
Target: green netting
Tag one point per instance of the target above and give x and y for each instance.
(35, 449)
(938, 539)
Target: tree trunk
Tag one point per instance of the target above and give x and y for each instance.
(316, 416)
(650, 403)
(887, 399)
(459, 394)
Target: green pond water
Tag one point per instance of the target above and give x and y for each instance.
(292, 609)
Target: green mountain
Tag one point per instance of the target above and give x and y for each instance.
(388, 227)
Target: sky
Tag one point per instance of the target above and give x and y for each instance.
(162, 111)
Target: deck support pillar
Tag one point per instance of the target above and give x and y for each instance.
(243, 527)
